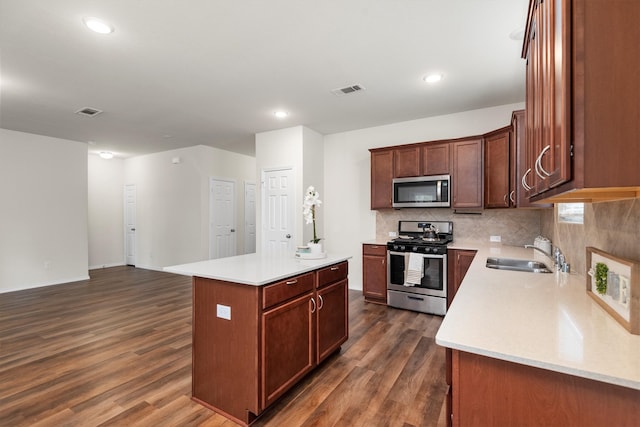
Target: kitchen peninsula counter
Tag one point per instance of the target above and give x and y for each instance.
(531, 321)
(261, 322)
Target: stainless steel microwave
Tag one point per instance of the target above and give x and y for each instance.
(422, 192)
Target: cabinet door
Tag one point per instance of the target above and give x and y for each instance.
(459, 261)
(374, 273)
(406, 162)
(332, 320)
(435, 159)
(549, 94)
(467, 174)
(497, 170)
(287, 342)
(381, 179)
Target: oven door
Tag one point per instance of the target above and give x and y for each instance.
(434, 279)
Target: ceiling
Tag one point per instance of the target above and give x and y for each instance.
(178, 73)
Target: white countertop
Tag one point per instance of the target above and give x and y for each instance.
(255, 269)
(542, 320)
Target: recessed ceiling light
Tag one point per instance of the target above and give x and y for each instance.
(94, 24)
(432, 78)
(106, 155)
(281, 114)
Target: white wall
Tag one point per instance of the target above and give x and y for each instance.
(43, 220)
(106, 218)
(312, 174)
(301, 149)
(349, 220)
(172, 209)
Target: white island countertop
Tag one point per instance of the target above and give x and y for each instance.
(541, 320)
(255, 269)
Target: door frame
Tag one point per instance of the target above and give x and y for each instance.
(233, 214)
(135, 219)
(263, 206)
(245, 229)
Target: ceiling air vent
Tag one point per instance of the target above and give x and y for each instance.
(88, 112)
(347, 90)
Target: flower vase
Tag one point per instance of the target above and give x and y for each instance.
(315, 248)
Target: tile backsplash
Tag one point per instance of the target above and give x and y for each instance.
(613, 227)
(515, 226)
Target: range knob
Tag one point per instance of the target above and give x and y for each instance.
(415, 249)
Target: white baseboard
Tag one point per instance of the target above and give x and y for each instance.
(43, 284)
(114, 264)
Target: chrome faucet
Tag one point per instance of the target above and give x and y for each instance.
(540, 250)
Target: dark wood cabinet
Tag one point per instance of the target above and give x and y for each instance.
(458, 263)
(493, 392)
(436, 158)
(287, 339)
(332, 324)
(374, 273)
(406, 161)
(582, 111)
(381, 178)
(253, 343)
(499, 169)
(467, 173)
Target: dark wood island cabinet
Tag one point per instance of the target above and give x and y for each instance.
(253, 342)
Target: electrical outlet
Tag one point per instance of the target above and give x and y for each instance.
(495, 239)
(393, 234)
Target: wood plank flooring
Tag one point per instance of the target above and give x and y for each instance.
(115, 350)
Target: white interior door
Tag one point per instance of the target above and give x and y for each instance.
(222, 228)
(249, 217)
(130, 224)
(278, 210)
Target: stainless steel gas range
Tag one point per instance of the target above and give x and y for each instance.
(417, 266)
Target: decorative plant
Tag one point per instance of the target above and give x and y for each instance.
(601, 277)
(311, 200)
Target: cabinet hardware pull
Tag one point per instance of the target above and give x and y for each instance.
(524, 180)
(313, 302)
(504, 199)
(375, 247)
(320, 302)
(335, 268)
(539, 169)
(512, 196)
(291, 282)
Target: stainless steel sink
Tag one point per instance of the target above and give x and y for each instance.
(517, 265)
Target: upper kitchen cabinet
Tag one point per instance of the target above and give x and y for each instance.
(466, 173)
(381, 178)
(582, 91)
(499, 169)
(436, 158)
(406, 161)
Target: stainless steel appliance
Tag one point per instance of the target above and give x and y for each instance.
(417, 266)
(422, 192)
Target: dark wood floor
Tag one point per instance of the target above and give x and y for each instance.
(116, 350)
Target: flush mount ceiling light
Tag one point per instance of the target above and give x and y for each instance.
(281, 114)
(97, 25)
(433, 78)
(106, 155)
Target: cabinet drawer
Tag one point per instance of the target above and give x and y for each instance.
(286, 289)
(332, 274)
(376, 250)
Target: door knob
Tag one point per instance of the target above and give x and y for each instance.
(233, 230)
(133, 229)
(288, 236)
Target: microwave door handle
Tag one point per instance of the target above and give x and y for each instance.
(439, 191)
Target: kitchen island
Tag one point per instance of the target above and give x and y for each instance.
(534, 349)
(261, 322)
